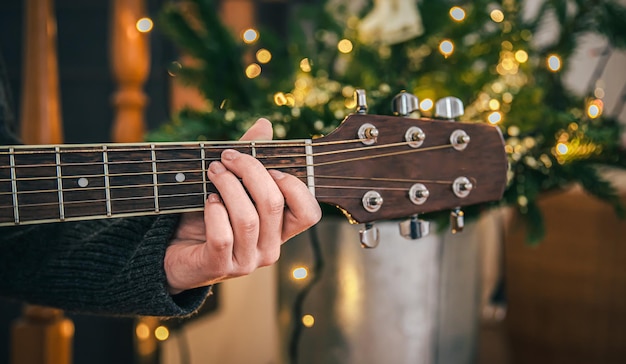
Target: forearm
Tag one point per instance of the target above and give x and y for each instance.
(103, 266)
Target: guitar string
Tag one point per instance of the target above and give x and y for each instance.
(338, 177)
(145, 162)
(171, 207)
(199, 182)
(146, 147)
(141, 161)
(84, 190)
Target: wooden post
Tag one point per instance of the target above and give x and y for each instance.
(42, 335)
(41, 107)
(238, 15)
(130, 63)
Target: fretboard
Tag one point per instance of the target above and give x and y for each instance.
(77, 182)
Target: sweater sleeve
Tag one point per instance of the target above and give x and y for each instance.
(111, 266)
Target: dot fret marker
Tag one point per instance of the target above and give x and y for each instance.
(180, 177)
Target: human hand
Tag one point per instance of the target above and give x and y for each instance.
(238, 233)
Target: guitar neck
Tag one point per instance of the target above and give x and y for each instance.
(91, 181)
(372, 167)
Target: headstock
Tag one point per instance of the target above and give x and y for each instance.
(376, 167)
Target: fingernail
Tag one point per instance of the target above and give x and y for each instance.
(276, 174)
(217, 167)
(214, 197)
(230, 154)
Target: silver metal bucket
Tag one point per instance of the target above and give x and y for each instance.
(403, 302)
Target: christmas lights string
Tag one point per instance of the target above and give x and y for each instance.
(604, 55)
(619, 105)
(297, 310)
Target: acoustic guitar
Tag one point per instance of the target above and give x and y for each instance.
(372, 167)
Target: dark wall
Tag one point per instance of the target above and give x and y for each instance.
(84, 73)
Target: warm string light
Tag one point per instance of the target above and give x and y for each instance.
(142, 331)
(308, 320)
(305, 65)
(249, 36)
(594, 108)
(497, 15)
(494, 118)
(253, 70)
(263, 56)
(457, 14)
(144, 25)
(299, 273)
(426, 104)
(161, 333)
(345, 46)
(554, 62)
(446, 47)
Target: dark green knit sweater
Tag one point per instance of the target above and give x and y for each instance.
(112, 266)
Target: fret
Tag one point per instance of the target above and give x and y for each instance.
(310, 173)
(84, 190)
(182, 178)
(131, 176)
(154, 178)
(203, 161)
(107, 181)
(36, 188)
(253, 149)
(57, 152)
(16, 210)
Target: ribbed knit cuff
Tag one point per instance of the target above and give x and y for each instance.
(102, 267)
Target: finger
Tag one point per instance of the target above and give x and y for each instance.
(303, 210)
(267, 197)
(241, 211)
(261, 130)
(217, 262)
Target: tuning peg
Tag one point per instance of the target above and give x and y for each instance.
(414, 228)
(449, 108)
(457, 220)
(360, 98)
(404, 104)
(370, 236)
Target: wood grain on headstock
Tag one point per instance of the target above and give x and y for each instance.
(344, 171)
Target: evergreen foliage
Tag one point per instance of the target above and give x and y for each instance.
(553, 137)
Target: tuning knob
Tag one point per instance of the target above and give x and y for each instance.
(449, 108)
(360, 98)
(404, 104)
(369, 236)
(414, 228)
(457, 220)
